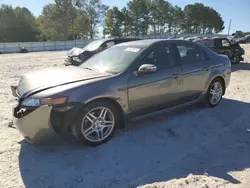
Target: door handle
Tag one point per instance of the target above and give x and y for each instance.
(206, 68)
(176, 75)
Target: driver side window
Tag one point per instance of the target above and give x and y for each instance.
(161, 57)
(150, 59)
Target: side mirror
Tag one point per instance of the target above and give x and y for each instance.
(147, 69)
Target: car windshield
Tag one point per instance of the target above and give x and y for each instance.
(113, 60)
(93, 45)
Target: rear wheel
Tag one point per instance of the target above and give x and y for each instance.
(96, 123)
(214, 93)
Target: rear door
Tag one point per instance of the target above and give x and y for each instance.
(196, 68)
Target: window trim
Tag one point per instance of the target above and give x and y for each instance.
(155, 48)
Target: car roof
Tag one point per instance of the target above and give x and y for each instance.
(117, 38)
(148, 42)
(143, 43)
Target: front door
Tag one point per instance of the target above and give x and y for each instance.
(156, 91)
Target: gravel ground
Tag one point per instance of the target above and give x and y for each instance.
(193, 148)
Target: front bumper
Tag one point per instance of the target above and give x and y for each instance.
(36, 126)
(71, 61)
(68, 62)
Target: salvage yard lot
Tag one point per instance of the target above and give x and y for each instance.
(201, 147)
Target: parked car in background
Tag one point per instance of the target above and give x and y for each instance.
(77, 56)
(23, 50)
(123, 83)
(245, 39)
(223, 45)
(193, 38)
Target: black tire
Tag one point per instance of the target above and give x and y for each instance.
(77, 125)
(208, 95)
(236, 60)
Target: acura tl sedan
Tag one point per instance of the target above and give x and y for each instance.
(123, 83)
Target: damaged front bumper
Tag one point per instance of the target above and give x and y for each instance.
(68, 61)
(35, 126)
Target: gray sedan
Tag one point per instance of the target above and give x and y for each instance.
(125, 82)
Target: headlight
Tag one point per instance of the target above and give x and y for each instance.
(31, 102)
(46, 101)
(54, 101)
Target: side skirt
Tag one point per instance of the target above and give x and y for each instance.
(156, 113)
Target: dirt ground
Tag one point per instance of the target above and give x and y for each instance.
(193, 148)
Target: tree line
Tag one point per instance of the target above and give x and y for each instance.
(71, 19)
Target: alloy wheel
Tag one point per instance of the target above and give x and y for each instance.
(215, 93)
(98, 124)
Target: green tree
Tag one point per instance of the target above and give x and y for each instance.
(126, 22)
(17, 25)
(7, 23)
(140, 16)
(57, 21)
(26, 25)
(201, 19)
(66, 15)
(157, 15)
(49, 27)
(66, 19)
(178, 21)
(95, 12)
(113, 22)
(81, 25)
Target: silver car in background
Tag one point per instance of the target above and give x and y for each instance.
(125, 82)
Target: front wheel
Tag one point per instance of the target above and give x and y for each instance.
(214, 93)
(236, 59)
(96, 123)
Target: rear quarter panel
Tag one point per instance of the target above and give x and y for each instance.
(220, 67)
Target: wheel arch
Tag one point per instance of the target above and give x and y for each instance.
(221, 78)
(223, 83)
(122, 117)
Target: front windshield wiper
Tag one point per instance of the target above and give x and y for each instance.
(88, 68)
(96, 70)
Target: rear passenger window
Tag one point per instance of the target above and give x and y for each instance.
(188, 53)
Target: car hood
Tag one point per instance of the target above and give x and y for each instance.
(48, 78)
(75, 52)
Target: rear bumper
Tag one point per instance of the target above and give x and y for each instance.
(36, 126)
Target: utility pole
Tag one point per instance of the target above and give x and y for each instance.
(229, 26)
